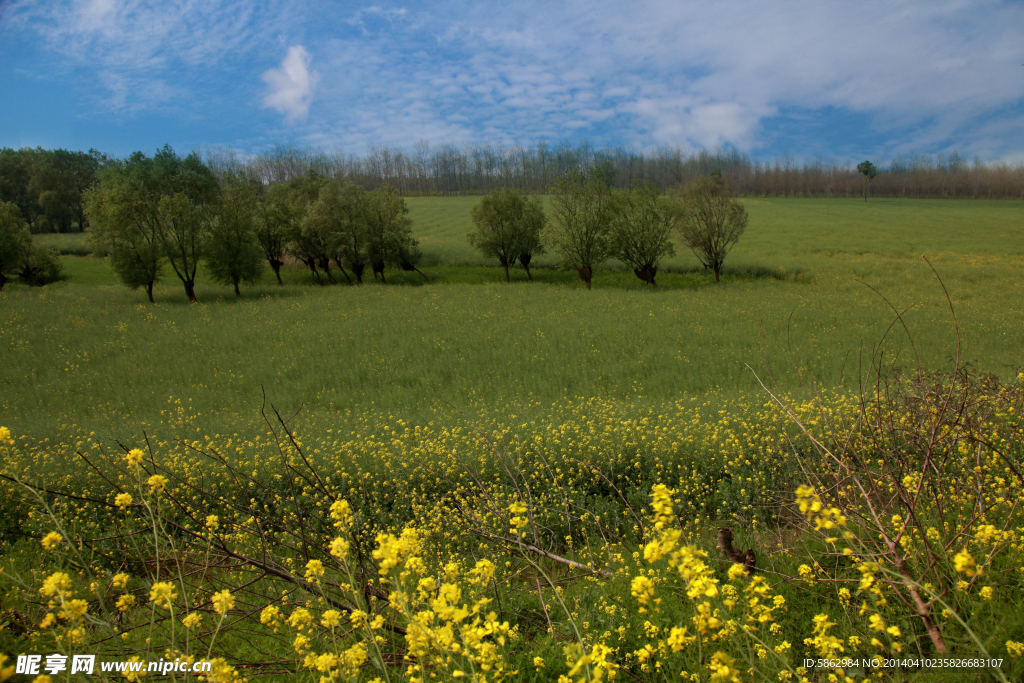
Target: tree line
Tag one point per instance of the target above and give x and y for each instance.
(47, 186)
(478, 169)
(151, 213)
(592, 221)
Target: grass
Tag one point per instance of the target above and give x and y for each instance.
(91, 352)
(390, 384)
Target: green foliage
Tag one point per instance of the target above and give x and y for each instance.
(15, 241)
(308, 241)
(232, 252)
(389, 231)
(41, 267)
(272, 218)
(340, 215)
(641, 230)
(581, 212)
(507, 226)
(709, 221)
(125, 224)
(869, 171)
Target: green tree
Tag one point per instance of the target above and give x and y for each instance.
(507, 227)
(641, 230)
(307, 240)
(709, 221)
(233, 254)
(189, 193)
(41, 267)
(389, 232)
(15, 241)
(343, 207)
(869, 171)
(581, 211)
(124, 221)
(15, 176)
(272, 220)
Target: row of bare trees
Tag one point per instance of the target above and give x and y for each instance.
(478, 169)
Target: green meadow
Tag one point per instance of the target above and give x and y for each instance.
(802, 298)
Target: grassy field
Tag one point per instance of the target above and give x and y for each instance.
(798, 291)
(608, 426)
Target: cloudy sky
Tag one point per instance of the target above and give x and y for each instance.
(837, 79)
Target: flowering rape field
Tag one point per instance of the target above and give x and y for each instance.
(768, 480)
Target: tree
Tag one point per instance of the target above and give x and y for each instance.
(581, 209)
(306, 241)
(389, 232)
(232, 252)
(188, 197)
(641, 229)
(41, 267)
(869, 171)
(272, 219)
(124, 221)
(15, 241)
(15, 175)
(345, 206)
(507, 227)
(709, 221)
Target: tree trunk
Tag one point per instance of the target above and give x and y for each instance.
(358, 268)
(238, 293)
(276, 265)
(149, 291)
(717, 268)
(190, 290)
(586, 274)
(507, 278)
(646, 274)
(3, 281)
(525, 260)
(344, 272)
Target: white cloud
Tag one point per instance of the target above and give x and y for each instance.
(291, 86)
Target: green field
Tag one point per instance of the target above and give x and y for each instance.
(615, 424)
(797, 294)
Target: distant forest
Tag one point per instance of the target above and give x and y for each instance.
(47, 185)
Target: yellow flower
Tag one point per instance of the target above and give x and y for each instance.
(119, 581)
(74, 610)
(123, 500)
(134, 456)
(314, 570)
(55, 584)
(1015, 649)
(51, 540)
(222, 602)
(342, 513)
(157, 483)
(193, 620)
(986, 593)
(331, 618)
(538, 662)
(339, 548)
(212, 522)
(125, 602)
(162, 594)
(5, 437)
(964, 563)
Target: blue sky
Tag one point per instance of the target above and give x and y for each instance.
(846, 80)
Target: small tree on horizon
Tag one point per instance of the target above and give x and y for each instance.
(709, 221)
(869, 171)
